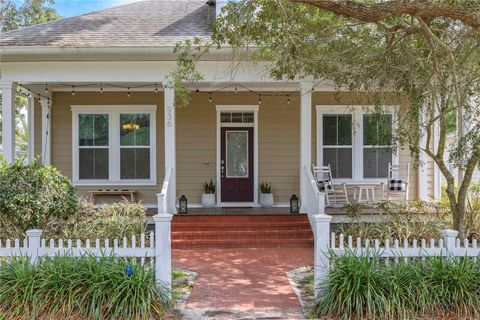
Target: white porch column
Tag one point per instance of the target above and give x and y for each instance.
(305, 137)
(422, 168)
(31, 128)
(46, 128)
(8, 120)
(170, 141)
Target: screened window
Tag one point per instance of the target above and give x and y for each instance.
(135, 146)
(337, 144)
(377, 141)
(93, 146)
(114, 145)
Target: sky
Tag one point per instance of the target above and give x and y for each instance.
(68, 8)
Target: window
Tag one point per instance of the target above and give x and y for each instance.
(377, 140)
(355, 143)
(135, 146)
(236, 117)
(93, 146)
(337, 144)
(113, 145)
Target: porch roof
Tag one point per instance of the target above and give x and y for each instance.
(148, 23)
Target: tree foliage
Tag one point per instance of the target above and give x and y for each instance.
(31, 12)
(425, 53)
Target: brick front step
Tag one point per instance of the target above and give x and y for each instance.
(230, 231)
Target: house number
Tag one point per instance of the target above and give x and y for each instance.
(169, 119)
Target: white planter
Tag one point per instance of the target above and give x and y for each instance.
(208, 200)
(266, 200)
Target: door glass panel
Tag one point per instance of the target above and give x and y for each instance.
(237, 154)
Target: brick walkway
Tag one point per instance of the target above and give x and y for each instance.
(243, 281)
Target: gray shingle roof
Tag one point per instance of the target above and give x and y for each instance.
(140, 24)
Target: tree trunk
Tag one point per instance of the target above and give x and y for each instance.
(459, 220)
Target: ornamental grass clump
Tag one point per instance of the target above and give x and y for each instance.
(66, 287)
(367, 288)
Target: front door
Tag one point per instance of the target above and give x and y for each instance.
(236, 164)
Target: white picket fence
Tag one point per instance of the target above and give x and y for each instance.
(153, 248)
(327, 244)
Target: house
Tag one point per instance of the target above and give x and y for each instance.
(100, 112)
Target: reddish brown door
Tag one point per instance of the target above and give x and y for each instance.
(236, 164)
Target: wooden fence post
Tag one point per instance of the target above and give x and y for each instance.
(33, 243)
(321, 224)
(163, 250)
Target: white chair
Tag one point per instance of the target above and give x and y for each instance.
(396, 186)
(323, 176)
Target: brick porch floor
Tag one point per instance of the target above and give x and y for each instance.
(243, 279)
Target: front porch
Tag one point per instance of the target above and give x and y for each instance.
(277, 126)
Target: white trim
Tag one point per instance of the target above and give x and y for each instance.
(305, 138)
(46, 151)
(437, 177)
(219, 125)
(114, 112)
(31, 128)
(357, 112)
(8, 115)
(422, 168)
(131, 108)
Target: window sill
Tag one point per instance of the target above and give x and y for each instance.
(113, 183)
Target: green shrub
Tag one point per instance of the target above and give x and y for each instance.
(33, 196)
(110, 221)
(399, 220)
(367, 288)
(80, 288)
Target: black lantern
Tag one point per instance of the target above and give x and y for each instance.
(294, 208)
(182, 204)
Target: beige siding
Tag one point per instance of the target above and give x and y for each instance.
(62, 132)
(279, 139)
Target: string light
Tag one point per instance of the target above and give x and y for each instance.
(210, 93)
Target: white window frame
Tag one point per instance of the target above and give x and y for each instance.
(357, 113)
(113, 112)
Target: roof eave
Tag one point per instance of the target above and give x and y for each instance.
(33, 50)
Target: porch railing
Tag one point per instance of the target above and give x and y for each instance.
(315, 207)
(166, 198)
(314, 200)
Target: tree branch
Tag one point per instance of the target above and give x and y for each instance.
(426, 9)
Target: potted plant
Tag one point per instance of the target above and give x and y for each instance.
(266, 196)
(208, 197)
